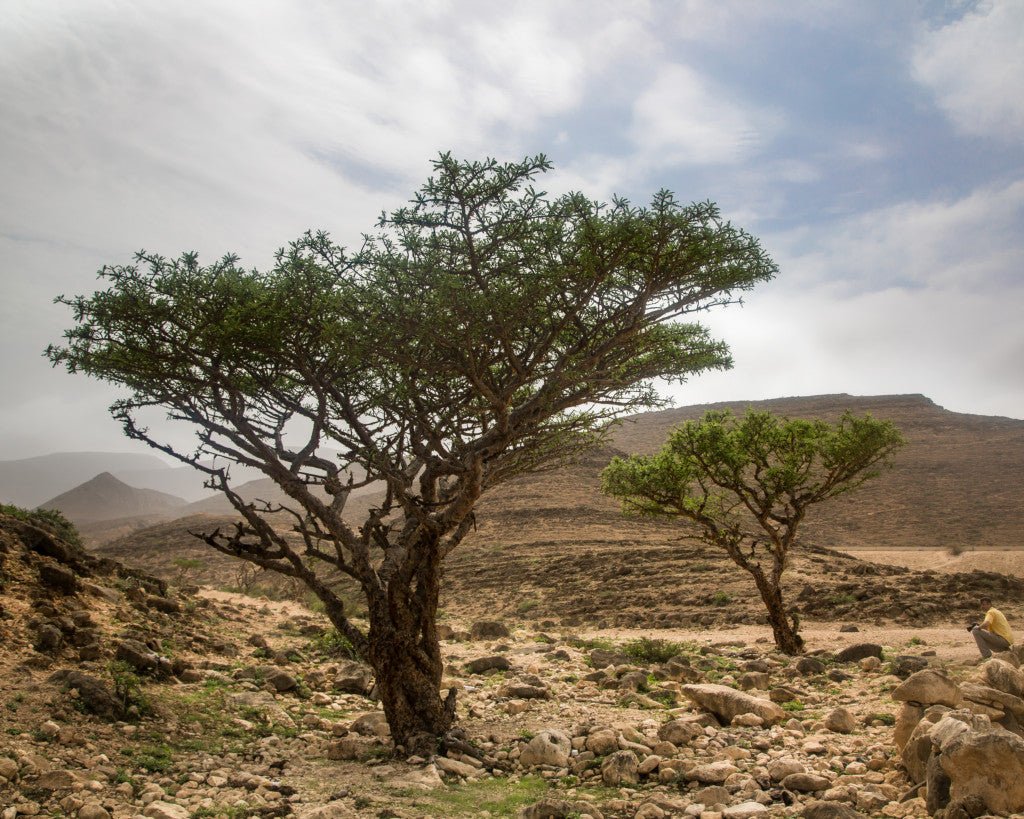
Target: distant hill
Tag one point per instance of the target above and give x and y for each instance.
(29, 482)
(104, 497)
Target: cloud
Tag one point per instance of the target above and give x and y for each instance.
(923, 297)
(682, 118)
(975, 69)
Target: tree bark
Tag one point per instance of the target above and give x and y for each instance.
(408, 675)
(787, 640)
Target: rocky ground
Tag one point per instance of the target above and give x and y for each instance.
(121, 698)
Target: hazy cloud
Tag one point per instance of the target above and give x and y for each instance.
(975, 68)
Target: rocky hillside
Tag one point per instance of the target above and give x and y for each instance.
(121, 699)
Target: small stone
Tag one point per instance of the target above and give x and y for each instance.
(744, 810)
(805, 782)
(841, 721)
(93, 811)
(859, 651)
(165, 810)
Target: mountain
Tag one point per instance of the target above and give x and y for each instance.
(29, 482)
(104, 497)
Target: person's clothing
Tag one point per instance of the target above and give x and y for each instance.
(996, 623)
(988, 641)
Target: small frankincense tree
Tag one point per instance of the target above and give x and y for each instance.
(485, 330)
(748, 483)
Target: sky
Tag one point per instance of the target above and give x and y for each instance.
(875, 147)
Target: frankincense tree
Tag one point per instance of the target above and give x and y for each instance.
(485, 330)
(747, 483)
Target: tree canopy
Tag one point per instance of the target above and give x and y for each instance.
(747, 483)
(483, 330)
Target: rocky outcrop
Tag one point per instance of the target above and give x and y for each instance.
(964, 742)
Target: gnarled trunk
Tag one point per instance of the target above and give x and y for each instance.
(784, 628)
(408, 674)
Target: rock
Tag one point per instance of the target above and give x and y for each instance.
(547, 748)
(354, 678)
(928, 687)
(680, 732)
(1001, 675)
(456, 768)
(744, 810)
(829, 810)
(809, 666)
(552, 808)
(426, 778)
(165, 810)
(870, 664)
(779, 769)
(373, 724)
(93, 810)
(841, 721)
(93, 694)
(711, 773)
(138, 656)
(57, 577)
(603, 741)
(987, 766)
(905, 664)
(488, 630)
(993, 698)
(483, 665)
(805, 782)
(848, 628)
(619, 769)
(858, 651)
(522, 691)
(726, 703)
(279, 680)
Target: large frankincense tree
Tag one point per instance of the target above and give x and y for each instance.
(485, 330)
(747, 483)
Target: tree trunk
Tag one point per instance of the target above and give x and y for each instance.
(784, 629)
(408, 674)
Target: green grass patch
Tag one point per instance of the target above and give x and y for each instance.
(793, 705)
(498, 797)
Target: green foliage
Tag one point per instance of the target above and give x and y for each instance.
(721, 598)
(793, 705)
(128, 687)
(645, 650)
(154, 757)
(747, 484)
(334, 644)
(52, 520)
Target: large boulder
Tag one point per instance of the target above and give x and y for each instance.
(928, 687)
(1000, 675)
(727, 703)
(986, 766)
